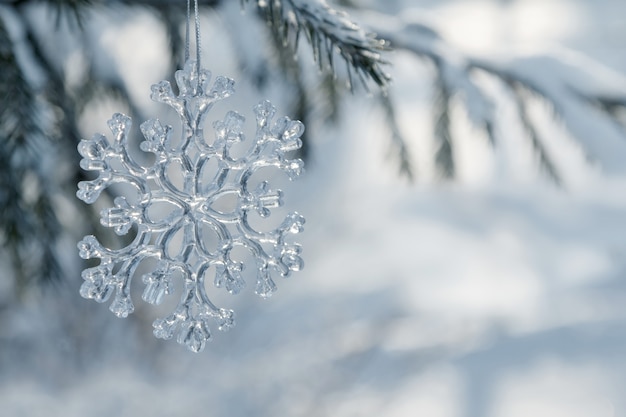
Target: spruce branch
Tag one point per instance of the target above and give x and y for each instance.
(72, 10)
(545, 161)
(328, 31)
(27, 216)
(452, 77)
(399, 146)
(444, 157)
(573, 97)
(615, 106)
(573, 92)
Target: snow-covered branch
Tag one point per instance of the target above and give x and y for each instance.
(328, 31)
(589, 99)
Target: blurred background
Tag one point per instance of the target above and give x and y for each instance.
(465, 243)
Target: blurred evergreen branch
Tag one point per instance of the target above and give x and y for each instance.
(545, 161)
(454, 77)
(399, 146)
(441, 109)
(28, 220)
(615, 106)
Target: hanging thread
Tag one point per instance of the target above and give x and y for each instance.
(187, 32)
(188, 37)
(197, 17)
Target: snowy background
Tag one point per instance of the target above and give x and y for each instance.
(498, 295)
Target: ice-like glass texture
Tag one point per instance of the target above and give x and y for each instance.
(192, 202)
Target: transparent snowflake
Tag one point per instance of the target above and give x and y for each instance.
(178, 239)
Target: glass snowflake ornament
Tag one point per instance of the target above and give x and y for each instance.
(178, 239)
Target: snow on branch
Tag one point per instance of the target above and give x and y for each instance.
(328, 31)
(589, 99)
(571, 83)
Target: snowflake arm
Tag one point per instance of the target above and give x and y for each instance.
(191, 208)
